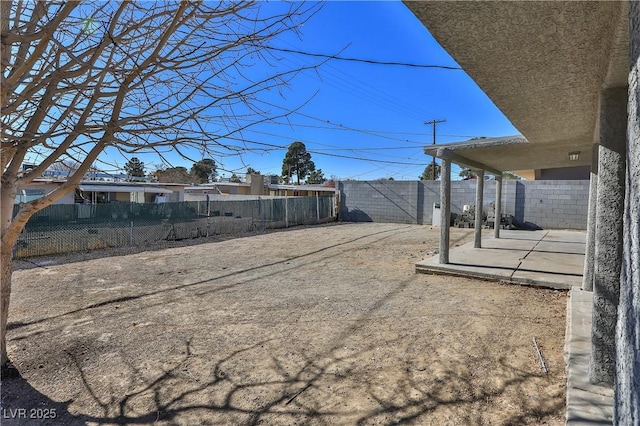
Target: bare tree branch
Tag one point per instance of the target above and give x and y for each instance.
(80, 77)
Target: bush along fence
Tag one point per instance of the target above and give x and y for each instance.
(69, 228)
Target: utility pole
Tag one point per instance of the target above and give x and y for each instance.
(433, 164)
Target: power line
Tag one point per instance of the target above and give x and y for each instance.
(365, 159)
(281, 147)
(366, 61)
(390, 101)
(332, 147)
(311, 126)
(360, 89)
(342, 127)
(354, 129)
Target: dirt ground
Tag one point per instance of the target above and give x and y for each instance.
(319, 325)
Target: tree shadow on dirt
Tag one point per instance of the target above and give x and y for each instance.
(287, 397)
(466, 397)
(338, 385)
(265, 382)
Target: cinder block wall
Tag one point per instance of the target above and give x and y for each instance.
(381, 201)
(541, 204)
(556, 204)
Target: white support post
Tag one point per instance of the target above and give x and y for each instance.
(497, 220)
(445, 209)
(477, 234)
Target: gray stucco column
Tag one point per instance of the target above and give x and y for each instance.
(445, 209)
(590, 247)
(627, 380)
(477, 232)
(608, 247)
(498, 208)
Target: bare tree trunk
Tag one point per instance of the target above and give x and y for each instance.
(7, 266)
(9, 236)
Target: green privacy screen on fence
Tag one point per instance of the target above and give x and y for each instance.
(77, 227)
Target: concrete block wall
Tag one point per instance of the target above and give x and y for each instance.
(381, 201)
(558, 204)
(537, 204)
(463, 192)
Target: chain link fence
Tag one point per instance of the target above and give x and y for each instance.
(80, 227)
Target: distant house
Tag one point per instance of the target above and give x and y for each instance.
(96, 192)
(39, 187)
(104, 192)
(199, 192)
(299, 190)
(254, 186)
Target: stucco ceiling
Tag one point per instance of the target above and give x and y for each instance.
(542, 63)
(516, 153)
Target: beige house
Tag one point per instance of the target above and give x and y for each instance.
(40, 187)
(255, 186)
(99, 192)
(299, 190)
(96, 192)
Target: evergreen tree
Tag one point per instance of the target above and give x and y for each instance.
(428, 174)
(134, 167)
(173, 175)
(316, 177)
(297, 162)
(204, 170)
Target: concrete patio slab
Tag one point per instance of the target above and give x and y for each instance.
(570, 264)
(560, 247)
(522, 235)
(566, 236)
(551, 259)
(478, 263)
(513, 244)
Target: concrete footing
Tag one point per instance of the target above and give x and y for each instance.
(587, 404)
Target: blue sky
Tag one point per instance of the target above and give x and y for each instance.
(374, 114)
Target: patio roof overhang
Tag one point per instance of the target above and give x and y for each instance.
(497, 155)
(543, 64)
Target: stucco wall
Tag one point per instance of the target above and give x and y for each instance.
(543, 204)
(627, 379)
(566, 173)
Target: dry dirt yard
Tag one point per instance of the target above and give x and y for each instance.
(320, 325)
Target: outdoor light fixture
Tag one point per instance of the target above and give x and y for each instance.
(573, 156)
